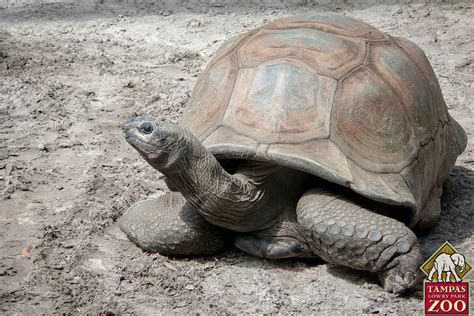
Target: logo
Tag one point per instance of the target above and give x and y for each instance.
(444, 292)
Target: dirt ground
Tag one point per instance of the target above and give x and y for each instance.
(70, 75)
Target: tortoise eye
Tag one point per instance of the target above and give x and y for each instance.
(146, 128)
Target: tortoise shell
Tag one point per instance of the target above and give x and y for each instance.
(335, 97)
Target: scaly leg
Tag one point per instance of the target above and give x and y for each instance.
(342, 232)
(171, 226)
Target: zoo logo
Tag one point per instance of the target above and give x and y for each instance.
(444, 292)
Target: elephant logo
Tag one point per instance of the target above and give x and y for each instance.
(446, 265)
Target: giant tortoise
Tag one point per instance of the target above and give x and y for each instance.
(311, 136)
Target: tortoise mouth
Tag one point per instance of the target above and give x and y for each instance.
(142, 146)
(138, 143)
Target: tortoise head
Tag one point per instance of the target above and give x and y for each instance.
(157, 142)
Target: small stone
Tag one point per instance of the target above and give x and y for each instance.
(190, 287)
(25, 252)
(42, 147)
(170, 266)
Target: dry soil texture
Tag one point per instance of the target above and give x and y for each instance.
(71, 75)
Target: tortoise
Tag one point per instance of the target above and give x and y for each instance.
(311, 136)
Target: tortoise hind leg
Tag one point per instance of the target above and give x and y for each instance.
(171, 226)
(283, 240)
(344, 233)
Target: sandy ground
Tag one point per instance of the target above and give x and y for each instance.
(71, 75)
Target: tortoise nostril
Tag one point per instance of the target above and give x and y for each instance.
(127, 124)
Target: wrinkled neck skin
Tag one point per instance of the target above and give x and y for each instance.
(231, 201)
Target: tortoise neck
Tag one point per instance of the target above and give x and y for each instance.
(223, 199)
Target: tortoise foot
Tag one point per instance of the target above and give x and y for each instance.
(403, 272)
(171, 226)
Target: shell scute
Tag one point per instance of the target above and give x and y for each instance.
(401, 74)
(329, 54)
(369, 125)
(212, 93)
(278, 103)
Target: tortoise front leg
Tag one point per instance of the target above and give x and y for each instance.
(171, 226)
(345, 233)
